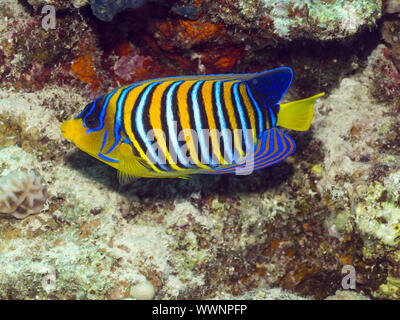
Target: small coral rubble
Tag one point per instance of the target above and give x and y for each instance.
(22, 193)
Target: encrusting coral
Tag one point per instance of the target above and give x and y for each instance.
(22, 193)
(283, 233)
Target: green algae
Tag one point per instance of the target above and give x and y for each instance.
(378, 216)
(325, 17)
(317, 170)
(390, 289)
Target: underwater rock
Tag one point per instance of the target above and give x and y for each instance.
(131, 65)
(22, 193)
(79, 3)
(391, 35)
(188, 11)
(262, 294)
(378, 216)
(248, 35)
(58, 4)
(390, 289)
(214, 42)
(30, 56)
(292, 19)
(392, 6)
(292, 227)
(347, 295)
(142, 291)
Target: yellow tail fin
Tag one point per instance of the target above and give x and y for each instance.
(297, 115)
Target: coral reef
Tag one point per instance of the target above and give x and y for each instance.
(391, 35)
(292, 19)
(281, 233)
(142, 291)
(378, 217)
(347, 295)
(392, 6)
(22, 193)
(58, 4)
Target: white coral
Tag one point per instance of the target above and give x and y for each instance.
(22, 193)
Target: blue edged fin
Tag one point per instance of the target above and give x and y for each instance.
(274, 146)
(271, 86)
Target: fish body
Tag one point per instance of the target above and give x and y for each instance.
(175, 127)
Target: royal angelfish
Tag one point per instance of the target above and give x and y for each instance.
(175, 127)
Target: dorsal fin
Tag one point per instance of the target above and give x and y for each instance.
(270, 86)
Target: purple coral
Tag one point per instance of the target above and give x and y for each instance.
(126, 66)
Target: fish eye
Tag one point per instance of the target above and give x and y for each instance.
(92, 123)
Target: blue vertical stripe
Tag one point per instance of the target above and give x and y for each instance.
(104, 140)
(271, 115)
(171, 124)
(227, 141)
(198, 124)
(104, 108)
(140, 127)
(241, 116)
(260, 117)
(118, 116)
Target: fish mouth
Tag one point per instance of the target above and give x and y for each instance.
(64, 134)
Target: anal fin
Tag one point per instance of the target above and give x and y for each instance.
(274, 146)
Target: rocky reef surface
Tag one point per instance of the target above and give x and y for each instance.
(284, 232)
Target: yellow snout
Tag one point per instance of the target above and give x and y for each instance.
(70, 128)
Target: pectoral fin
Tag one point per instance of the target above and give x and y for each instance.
(271, 86)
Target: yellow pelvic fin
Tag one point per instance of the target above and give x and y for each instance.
(126, 179)
(297, 115)
(130, 167)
